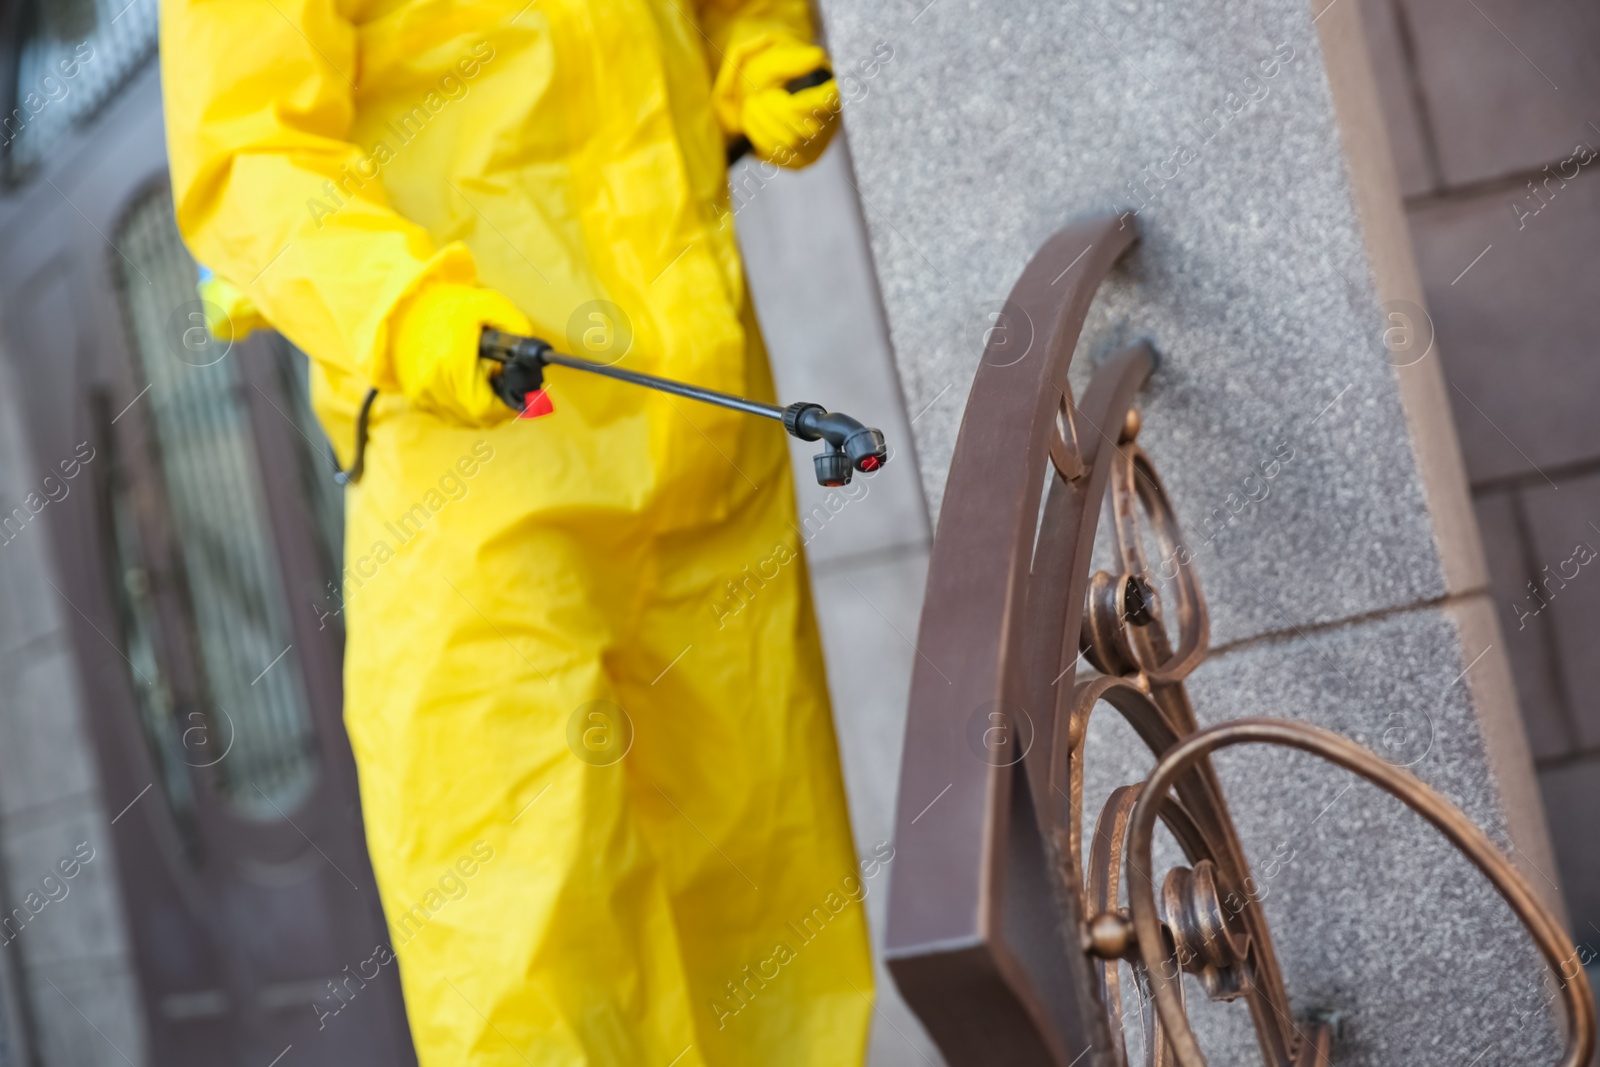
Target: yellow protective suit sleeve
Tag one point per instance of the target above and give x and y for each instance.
(739, 28)
(259, 103)
(759, 45)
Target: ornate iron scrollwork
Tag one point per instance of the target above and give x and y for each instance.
(1004, 936)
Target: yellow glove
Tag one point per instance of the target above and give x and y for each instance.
(789, 129)
(434, 349)
(230, 316)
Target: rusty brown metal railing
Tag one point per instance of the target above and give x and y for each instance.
(1003, 936)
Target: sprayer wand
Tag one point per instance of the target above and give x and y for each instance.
(520, 383)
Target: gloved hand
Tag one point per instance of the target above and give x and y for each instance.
(789, 129)
(434, 351)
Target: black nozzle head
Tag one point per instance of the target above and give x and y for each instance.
(863, 451)
(851, 446)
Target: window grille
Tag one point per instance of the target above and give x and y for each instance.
(196, 406)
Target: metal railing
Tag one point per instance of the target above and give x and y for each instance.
(1004, 936)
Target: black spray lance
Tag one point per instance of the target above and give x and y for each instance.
(850, 446)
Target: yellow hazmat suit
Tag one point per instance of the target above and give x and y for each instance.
(583, 683)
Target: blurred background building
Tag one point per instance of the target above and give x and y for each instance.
(181, 865)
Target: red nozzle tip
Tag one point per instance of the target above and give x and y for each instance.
(536, 404)
(869, 463)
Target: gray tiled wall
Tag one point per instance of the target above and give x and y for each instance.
(1503, 85)
(1483, 98)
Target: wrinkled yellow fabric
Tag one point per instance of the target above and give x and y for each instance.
(508, 587)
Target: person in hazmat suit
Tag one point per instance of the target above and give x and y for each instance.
(581, 659)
